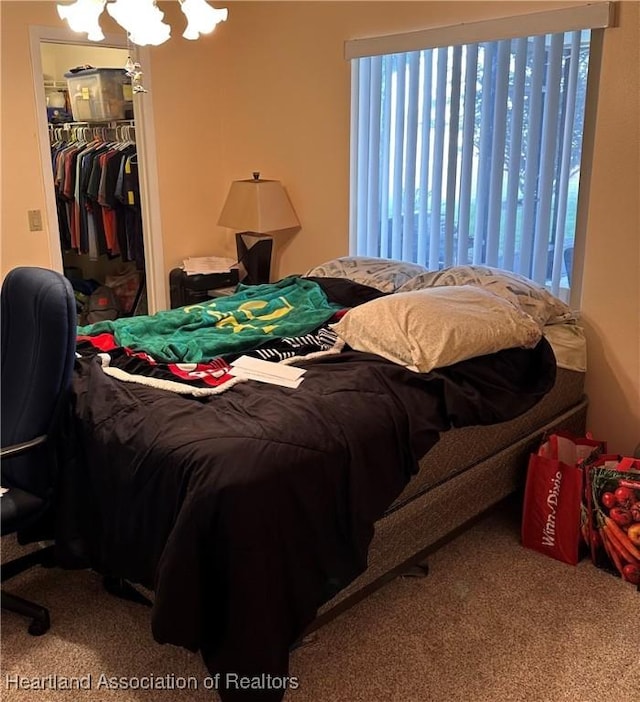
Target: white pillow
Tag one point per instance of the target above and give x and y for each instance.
(532, 298)
(384, 274)
(437, 327)
(569, 345)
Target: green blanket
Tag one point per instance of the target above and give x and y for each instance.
(255, 314)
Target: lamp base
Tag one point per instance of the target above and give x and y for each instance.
(254, 254)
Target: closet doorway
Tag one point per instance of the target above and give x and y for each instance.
(54, 52)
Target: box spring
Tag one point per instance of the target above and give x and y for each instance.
(466, 473)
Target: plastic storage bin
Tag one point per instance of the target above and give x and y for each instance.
(99, 94)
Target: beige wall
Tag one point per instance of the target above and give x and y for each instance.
(269, 91)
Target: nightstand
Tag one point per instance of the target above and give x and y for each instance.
(221, 292)
(192, 289)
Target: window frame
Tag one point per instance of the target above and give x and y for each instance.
(595, 16)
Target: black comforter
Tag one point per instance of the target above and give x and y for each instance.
(246, 511)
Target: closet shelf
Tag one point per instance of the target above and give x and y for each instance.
(55, 84)
(98, 123)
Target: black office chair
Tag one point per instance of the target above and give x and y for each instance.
(38, 349)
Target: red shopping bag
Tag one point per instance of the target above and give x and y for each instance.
(555, 517)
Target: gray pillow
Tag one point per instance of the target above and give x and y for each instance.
(530, 297)
(384, 274)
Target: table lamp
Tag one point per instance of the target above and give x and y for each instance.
(257, 207)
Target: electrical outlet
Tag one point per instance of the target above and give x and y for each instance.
(35, 220)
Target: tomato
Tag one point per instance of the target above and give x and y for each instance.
(609, 500)
(635, 512)
(631, 573)
(624, 497)
(620, 516)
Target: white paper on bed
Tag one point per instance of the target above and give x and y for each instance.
(267, 372)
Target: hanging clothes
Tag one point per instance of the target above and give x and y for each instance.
(97, 193)
(128, 192)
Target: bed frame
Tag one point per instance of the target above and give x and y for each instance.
(467, 473)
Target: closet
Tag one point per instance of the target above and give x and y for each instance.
(96, 182)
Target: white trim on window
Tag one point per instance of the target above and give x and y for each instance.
(597, 15)
(588, 138)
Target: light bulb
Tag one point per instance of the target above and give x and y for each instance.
(82, 16)
(201, 17)
(142, 19)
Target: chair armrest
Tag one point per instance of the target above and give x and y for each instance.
(15, 449)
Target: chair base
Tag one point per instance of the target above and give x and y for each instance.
(42, 556)
(39, 615)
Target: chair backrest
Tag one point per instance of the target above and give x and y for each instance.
(38, 341)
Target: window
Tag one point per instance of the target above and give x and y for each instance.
(471, 153)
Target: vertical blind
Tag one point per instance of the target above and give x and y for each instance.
(471, 154)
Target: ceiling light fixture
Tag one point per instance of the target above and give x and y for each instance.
(83, 16)
(201, 17)
(142, 19)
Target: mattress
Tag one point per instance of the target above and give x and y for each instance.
(458, 449)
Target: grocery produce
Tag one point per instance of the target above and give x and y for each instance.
(614, 495)
(620, 516)
(633, 532)
(631, 573)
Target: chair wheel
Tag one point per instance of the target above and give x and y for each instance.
(38, 627)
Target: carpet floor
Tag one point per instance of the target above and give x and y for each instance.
(493, 622)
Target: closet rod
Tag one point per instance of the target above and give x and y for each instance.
(121, 131)
(98, 123)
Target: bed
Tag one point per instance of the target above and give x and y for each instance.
(255, 510)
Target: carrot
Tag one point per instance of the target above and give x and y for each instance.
(621, 537)
(619, 547)
(612, 553)
(584, 529)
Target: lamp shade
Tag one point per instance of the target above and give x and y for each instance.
(257, 205)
